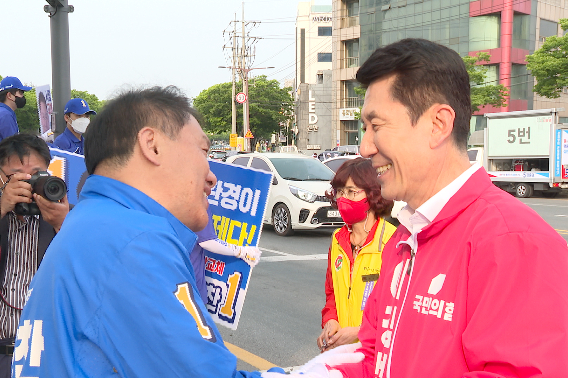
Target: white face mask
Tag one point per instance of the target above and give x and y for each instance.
(80, 124)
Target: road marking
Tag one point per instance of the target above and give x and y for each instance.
(561, 215)
(544, 204)
(251, 359)
(291, 257)
(277, 252)
(565, 232)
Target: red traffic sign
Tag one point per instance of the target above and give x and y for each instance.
(249, 134)
(241, 98)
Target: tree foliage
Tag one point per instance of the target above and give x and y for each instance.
(28, 119)
(269, 106)
(483, 93)
(549, 64)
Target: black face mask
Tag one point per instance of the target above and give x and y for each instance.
(20, 102)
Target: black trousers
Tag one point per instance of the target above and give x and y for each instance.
(6, 360)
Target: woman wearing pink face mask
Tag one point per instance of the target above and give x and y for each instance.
(354, 261)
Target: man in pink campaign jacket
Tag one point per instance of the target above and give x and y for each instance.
(473, 282)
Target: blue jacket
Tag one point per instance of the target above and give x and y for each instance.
(66, 141)
(115, 295)
(8, 123)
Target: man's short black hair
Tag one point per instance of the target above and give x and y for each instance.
(23, 145)
(112, 135)
(4, 93)
(426, 73)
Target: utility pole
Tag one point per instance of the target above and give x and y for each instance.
(233, 70)
(60, 62)
(244, 74)
(242, 60)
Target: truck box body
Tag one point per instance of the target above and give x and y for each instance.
(525, 151)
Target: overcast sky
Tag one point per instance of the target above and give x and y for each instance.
(146, 42)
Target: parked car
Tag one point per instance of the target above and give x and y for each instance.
(297, 198)
(336, 162)
(233, 153)
(350, 149)
(217, 154)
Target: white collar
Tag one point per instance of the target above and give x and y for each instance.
(415, 221)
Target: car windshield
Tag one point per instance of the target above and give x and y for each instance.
(302, 169)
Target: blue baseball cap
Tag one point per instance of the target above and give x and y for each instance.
(12, 82)
(78, 106)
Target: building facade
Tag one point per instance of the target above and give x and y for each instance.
(313, 77)
(313, 115)
(507, 29)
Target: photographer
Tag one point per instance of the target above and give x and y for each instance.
(23, 238)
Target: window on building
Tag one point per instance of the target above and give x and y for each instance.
(521, 31)
(319, 78)
(491, 76)
(351, 129)
(484, 32)
(519, 82)
(351, 98)
(547, 29)
(324, 57)
(352, 53)
(478, 122)
(324, 31)
(352, 8)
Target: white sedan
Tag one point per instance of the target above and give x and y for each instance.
(297, 197)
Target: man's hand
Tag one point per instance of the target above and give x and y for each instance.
(345, 354)
(346, 335)
(53, 213)
(251, 255)
(315, 371)
(15, 191)
(329, 329)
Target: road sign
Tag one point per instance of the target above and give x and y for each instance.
(233, 140)
(249, 134)
(241, 98)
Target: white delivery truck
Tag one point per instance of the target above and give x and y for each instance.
(525, 151)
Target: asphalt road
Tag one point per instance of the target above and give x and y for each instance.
(281, 315)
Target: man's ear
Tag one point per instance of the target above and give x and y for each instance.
(148, 142)
(443, 117)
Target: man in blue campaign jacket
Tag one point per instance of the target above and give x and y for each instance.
(115, 295)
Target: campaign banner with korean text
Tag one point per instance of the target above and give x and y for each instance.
(237, 202)
(70, 168)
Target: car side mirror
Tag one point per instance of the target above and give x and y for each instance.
(274, 180)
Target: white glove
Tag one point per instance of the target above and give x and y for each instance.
(250, 255)
(344, 354)
(316, 371)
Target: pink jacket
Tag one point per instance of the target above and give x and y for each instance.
(485, 296)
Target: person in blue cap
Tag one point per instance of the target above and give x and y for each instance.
(77, 117)
(11, 98)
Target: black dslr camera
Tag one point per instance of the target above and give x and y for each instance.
(47, 186)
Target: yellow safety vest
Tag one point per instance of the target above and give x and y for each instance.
(352, 285)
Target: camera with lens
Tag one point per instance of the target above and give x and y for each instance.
(49, 187)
